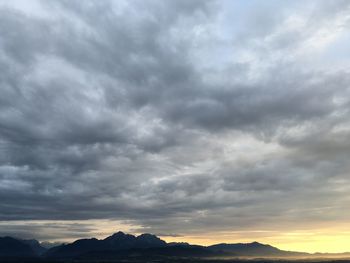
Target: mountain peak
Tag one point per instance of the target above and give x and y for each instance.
(119, 234)
(149, 240)
(256, 243)
(147, 236)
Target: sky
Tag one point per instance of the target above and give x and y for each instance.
(199, 121)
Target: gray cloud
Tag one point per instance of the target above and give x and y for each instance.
(171, 116)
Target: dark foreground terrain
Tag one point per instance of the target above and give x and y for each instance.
(182, 260)
(126, 248)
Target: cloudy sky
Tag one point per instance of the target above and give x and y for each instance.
(201, 121)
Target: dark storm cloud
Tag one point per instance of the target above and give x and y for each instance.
(166, 114)
(45, 230)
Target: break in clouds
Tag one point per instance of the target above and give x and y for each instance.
(175, 117)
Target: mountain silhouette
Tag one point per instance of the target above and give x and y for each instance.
(75, 249)
(253, 249)
(148, 240)
(14, 248)
(123, 246)
(37, 248)
(116, 242)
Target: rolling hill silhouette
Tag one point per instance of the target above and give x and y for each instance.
(254, 249)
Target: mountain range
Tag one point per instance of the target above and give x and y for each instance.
(124, 246)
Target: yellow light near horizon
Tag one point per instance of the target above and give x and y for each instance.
(326, 237)
(293, 241)
(330, 243)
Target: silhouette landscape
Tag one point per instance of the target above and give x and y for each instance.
(122, 247)
(218, 128)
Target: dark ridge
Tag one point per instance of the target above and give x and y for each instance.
(14, 248)
(253, 249)
(146, 246)
(74, 249)
(35, 245)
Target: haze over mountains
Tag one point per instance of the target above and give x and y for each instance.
(121, 245)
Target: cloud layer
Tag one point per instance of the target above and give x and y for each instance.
(175, 116)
